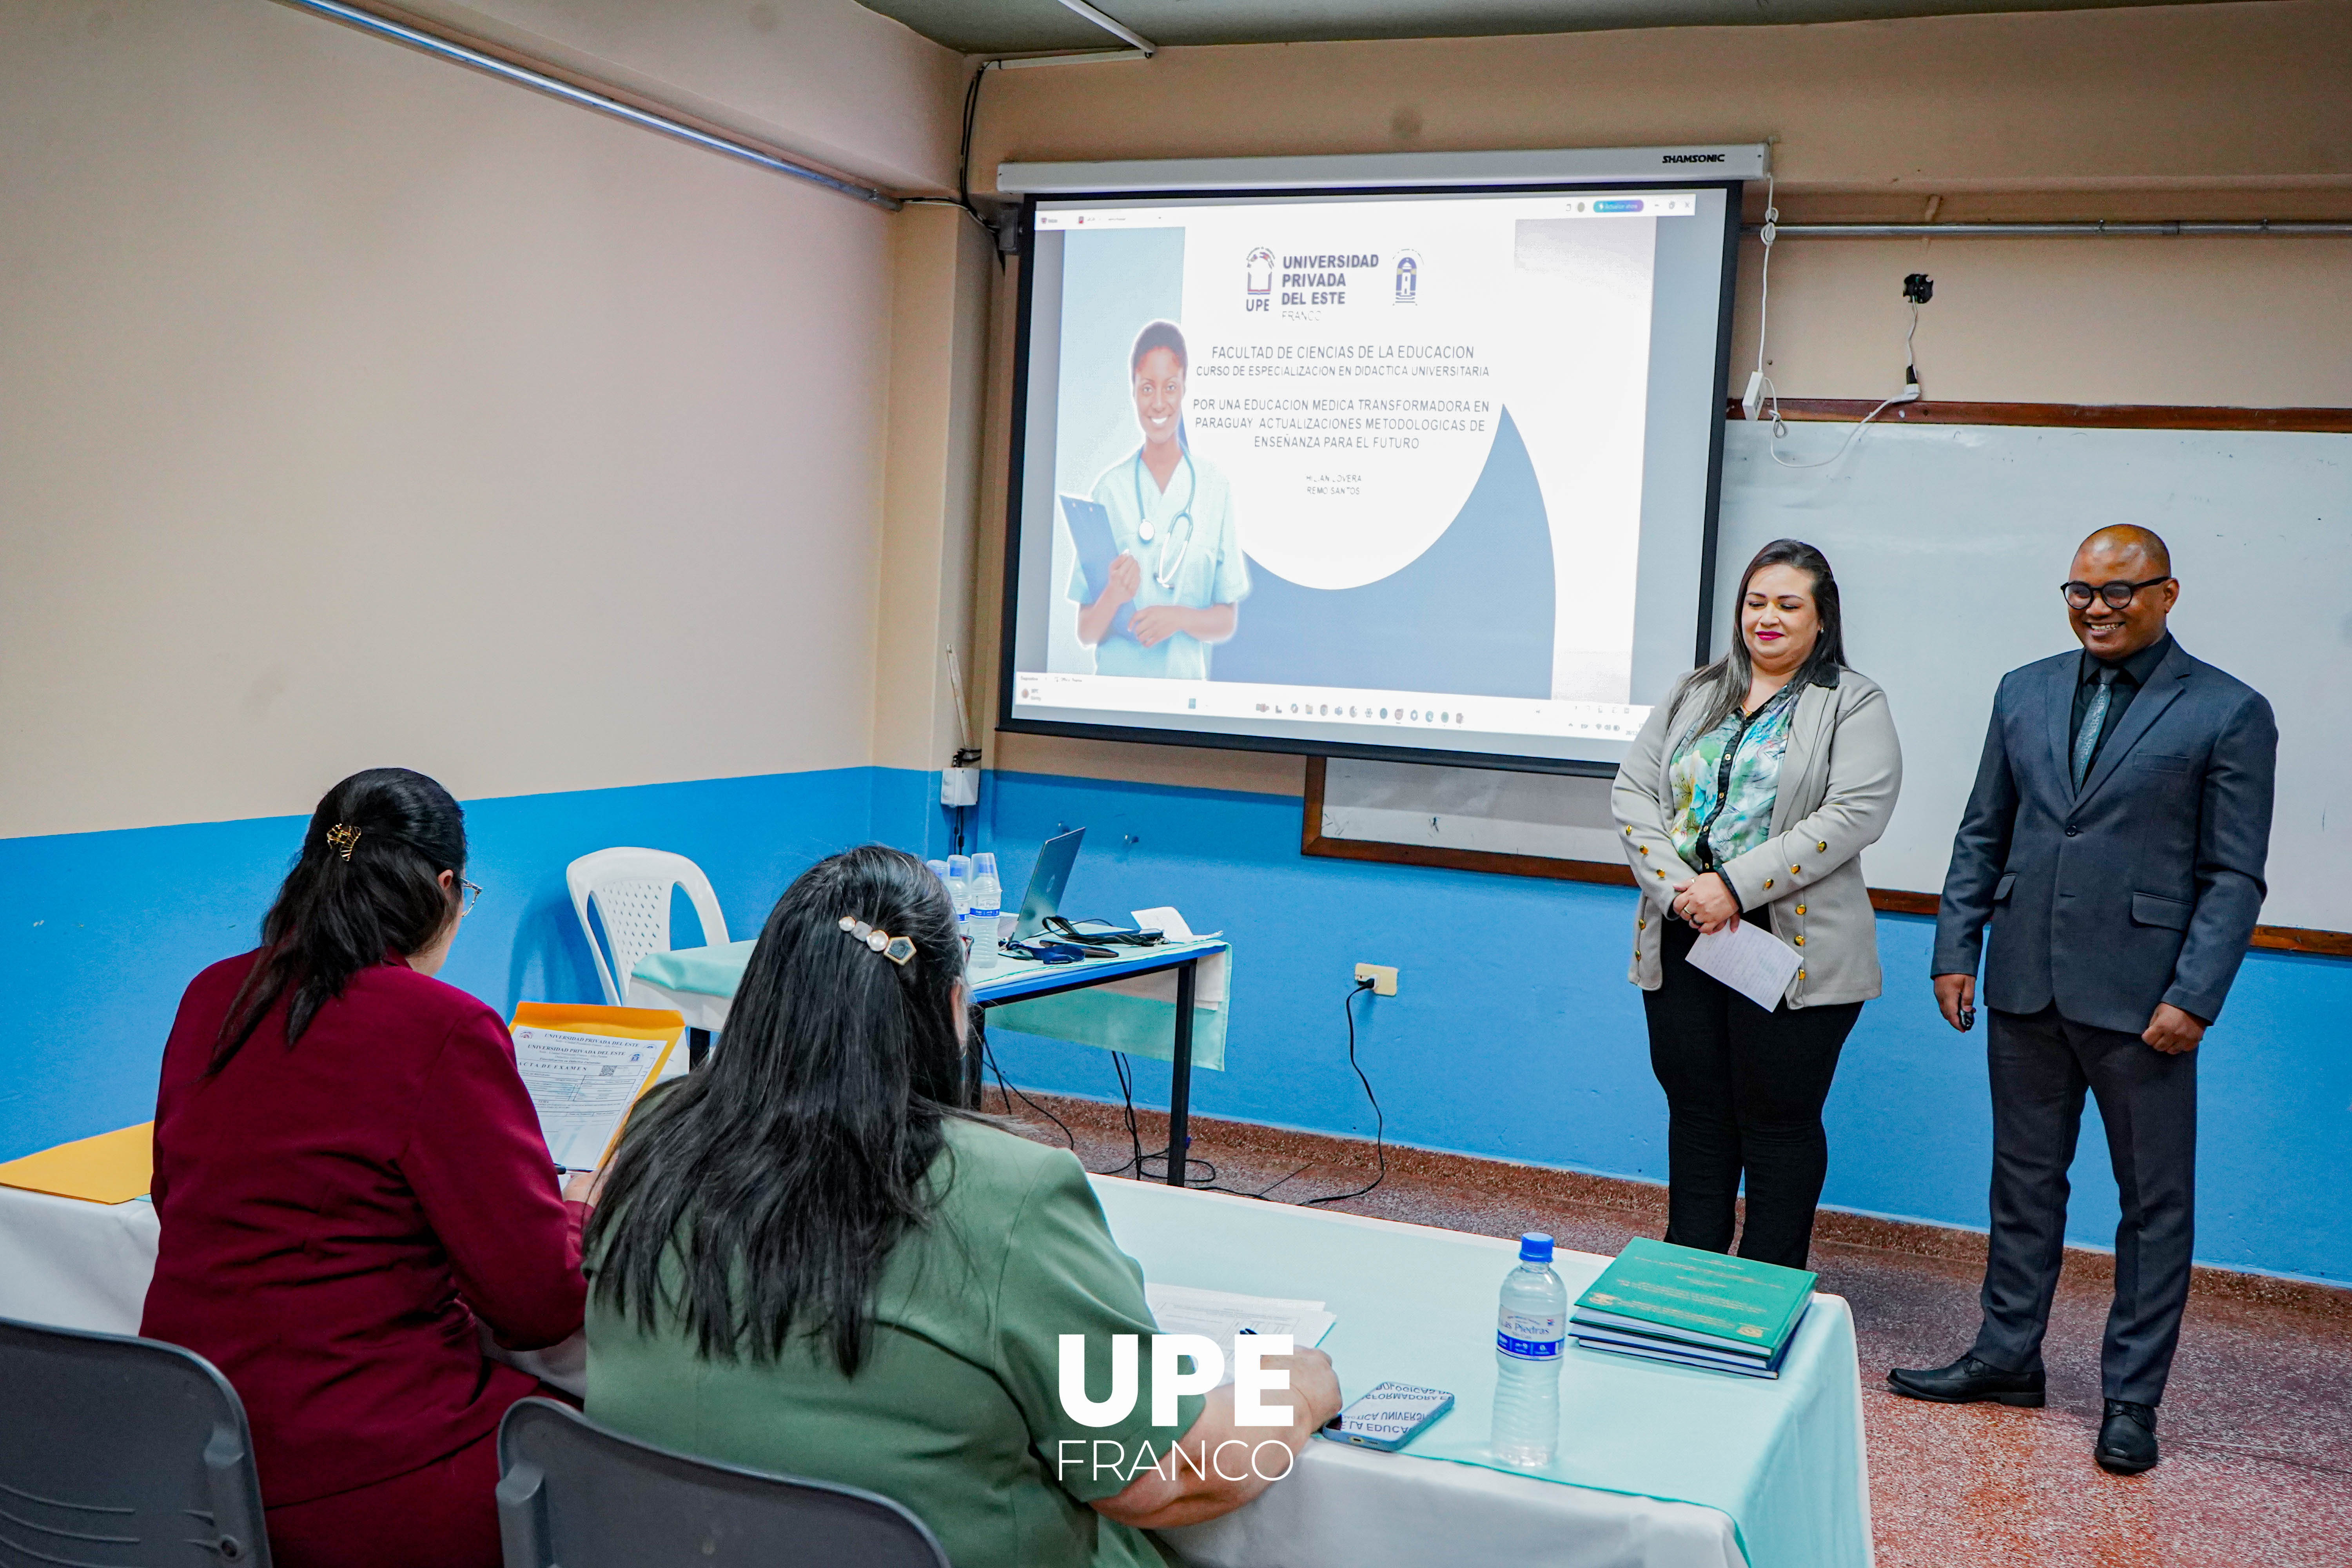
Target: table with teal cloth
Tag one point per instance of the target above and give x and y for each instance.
(1658, 1465)
(1119, 1010)
(1168, 1001)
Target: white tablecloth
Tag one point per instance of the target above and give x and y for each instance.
(87, 1266)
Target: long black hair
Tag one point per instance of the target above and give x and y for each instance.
(366, 884)
(1722, 687)
(784, 1170)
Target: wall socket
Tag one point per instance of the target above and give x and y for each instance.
(1382, 977)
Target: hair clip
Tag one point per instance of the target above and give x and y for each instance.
(342, 838)
(897, 949)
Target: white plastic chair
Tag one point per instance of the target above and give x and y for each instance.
(631, 890)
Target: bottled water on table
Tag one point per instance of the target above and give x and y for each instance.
(1529, 1326)
(986, 896)
(959, 895)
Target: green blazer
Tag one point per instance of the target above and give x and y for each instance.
(956, 1413)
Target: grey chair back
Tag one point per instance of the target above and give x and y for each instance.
(575, 1495)
(118, 1452)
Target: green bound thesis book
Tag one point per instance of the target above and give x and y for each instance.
(1689, 1296)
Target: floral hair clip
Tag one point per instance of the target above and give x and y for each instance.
(342, 838)
(897, 949)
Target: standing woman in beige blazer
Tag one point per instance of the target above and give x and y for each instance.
(1750, 793)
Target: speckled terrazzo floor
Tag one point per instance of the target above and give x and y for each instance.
(2257, 1426)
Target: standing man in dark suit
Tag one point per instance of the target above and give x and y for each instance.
(2114, 839)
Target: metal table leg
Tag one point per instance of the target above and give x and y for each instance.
(1180, 1087)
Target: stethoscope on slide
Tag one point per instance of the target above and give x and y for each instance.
(1147, 531)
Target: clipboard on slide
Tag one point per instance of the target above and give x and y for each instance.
(585, 1068)
(1089, 525)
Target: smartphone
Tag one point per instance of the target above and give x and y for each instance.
(1388, 1417)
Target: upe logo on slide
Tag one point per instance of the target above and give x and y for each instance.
(1231, 1460)
(1408, 277)
(1259, 271)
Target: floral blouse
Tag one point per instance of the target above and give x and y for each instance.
(1725, 781)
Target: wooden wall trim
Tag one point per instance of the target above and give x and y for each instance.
(2080, 415)
(1890, 900)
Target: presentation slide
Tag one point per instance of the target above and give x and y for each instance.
(1419, 471)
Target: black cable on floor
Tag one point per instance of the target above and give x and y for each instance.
(1007, 1091)
(1379, 1121)
(1139, 1159)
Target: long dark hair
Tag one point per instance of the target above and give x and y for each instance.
(366, 884)
(1722, 687)
(785, 1168)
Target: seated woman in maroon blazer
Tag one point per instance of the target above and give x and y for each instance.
(350, 1176)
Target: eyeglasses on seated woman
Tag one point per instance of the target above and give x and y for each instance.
(810, 1257)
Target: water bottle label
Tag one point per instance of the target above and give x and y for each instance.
(1528, 1336)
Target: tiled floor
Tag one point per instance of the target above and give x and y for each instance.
(2256, 1427)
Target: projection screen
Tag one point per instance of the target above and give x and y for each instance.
(1420, 473)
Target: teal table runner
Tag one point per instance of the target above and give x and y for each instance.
(1782, 1459)
(1123, 1011)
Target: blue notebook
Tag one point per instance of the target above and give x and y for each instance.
(1090, 532)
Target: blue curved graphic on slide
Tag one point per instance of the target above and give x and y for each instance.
(1472, 615)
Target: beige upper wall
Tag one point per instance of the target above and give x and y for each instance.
(355, 408)
(828, 80)
(2183, 96)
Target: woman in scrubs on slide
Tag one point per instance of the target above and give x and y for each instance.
(1180, 561)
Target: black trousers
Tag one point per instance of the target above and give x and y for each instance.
(1744, 1095)
(2041, 1064)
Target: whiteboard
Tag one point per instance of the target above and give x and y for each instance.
(1950, 543)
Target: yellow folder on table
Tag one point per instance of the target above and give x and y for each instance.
(112, 1168)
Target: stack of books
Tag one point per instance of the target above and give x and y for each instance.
(1694, 1309)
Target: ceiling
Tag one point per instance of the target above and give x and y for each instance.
(1025, 27)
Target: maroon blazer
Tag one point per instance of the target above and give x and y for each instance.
(337, 1214)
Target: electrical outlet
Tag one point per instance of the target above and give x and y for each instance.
(1382, 977)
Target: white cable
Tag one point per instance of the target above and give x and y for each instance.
(1770, 232)
(1910, 394)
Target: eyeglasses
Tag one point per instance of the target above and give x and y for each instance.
(473, 896)
(2117, 594)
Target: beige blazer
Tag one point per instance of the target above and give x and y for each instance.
(1839, 778)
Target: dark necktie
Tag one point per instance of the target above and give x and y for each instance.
(2095, 717)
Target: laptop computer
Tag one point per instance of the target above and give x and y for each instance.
(1047, 877)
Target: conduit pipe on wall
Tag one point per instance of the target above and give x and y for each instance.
(2281, 227)
(539, 81)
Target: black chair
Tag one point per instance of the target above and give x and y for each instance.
(118, 1452)
(576, 1495)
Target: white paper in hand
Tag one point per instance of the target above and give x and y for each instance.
(1750, 959)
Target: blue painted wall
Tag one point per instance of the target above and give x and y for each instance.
(1514, 1032)
(110, 927)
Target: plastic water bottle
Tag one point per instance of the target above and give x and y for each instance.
(959, 895)
(986, 896)
(1529, 1326)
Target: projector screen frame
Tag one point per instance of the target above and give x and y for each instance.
(1308, 746)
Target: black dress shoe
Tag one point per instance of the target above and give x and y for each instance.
(1966, 1381)
(2127, 1438)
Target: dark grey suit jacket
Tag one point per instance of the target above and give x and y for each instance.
(2143, 889)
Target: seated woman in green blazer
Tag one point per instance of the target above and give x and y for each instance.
(811, 1258)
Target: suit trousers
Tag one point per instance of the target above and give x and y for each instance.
(2041, 1064)
(1744, 1095)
